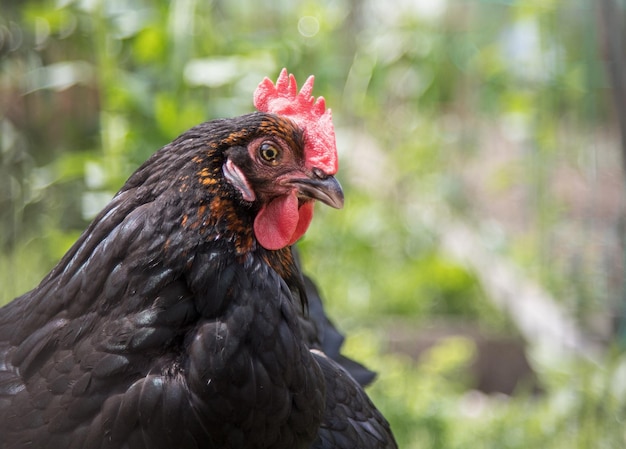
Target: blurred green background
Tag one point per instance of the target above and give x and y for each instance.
(478, 265)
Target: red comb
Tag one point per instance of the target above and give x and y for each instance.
(308, 113)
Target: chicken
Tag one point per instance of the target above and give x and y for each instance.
(179, 318)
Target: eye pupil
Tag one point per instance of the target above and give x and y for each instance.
(269, 153)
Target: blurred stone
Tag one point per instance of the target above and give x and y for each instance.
(499, 365)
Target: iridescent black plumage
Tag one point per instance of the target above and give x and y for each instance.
(167, 325)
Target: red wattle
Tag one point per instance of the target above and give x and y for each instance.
(305, 214)
(281, 223)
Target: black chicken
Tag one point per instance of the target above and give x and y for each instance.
(178, 319)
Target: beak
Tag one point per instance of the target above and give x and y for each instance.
(327, 190)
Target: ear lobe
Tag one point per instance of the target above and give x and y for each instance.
(237, 179)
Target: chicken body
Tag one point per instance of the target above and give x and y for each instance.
(169, 324)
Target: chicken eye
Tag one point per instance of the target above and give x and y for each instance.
(269, 153)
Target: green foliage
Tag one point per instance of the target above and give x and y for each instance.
(371, 264)
(429, 406)
(89, 89)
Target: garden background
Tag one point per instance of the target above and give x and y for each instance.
(478, 265)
